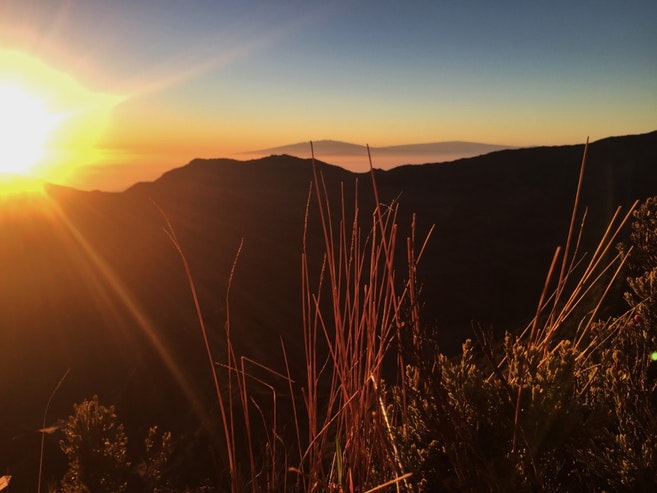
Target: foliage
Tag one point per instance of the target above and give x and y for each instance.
(539, 412)
(631, 373)
(156, 466)
(95, 445)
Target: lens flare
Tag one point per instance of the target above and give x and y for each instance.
(50, 124)
(25, 127)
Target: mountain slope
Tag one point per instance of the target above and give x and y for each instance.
(91, 281)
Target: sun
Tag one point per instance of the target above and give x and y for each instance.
(25, 127)
(51, 125)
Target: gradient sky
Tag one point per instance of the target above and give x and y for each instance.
(201, 78)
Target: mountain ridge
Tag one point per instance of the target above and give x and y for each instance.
(338, 145)
(355, 157)
(92, 282)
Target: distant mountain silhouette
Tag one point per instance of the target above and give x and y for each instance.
(91, 282)
(354, 157)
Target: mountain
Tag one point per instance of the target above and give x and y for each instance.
(354, 157)
(92, 283)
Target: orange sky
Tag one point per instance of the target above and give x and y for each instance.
(137, 88)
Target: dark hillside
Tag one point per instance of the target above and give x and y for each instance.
(499, 218)
(91, 281)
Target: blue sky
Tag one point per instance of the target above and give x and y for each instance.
(212, 78)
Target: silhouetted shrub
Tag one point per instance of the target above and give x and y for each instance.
(95, 445)
(546, 409)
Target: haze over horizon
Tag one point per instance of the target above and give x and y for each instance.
(131, 89)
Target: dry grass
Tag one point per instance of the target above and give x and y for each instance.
(359, 324)
(357, 311)
(342, 436)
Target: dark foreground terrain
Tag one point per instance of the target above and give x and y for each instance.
(92, 283)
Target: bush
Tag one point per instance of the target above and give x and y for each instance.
(552, 408)
(95, 446)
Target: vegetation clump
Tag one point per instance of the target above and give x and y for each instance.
(95, 445)
(569, 409)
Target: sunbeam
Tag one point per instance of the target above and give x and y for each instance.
(104, 279)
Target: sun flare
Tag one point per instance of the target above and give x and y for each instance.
(25, 126)
(50, 125)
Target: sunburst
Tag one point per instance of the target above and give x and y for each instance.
(25, 127)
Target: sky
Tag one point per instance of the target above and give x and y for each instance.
(132, 88)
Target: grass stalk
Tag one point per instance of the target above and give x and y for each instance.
(345, 421)
(359, 323)
(43, 426)
(224, 414)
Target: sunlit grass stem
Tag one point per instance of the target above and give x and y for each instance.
(43, 426)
